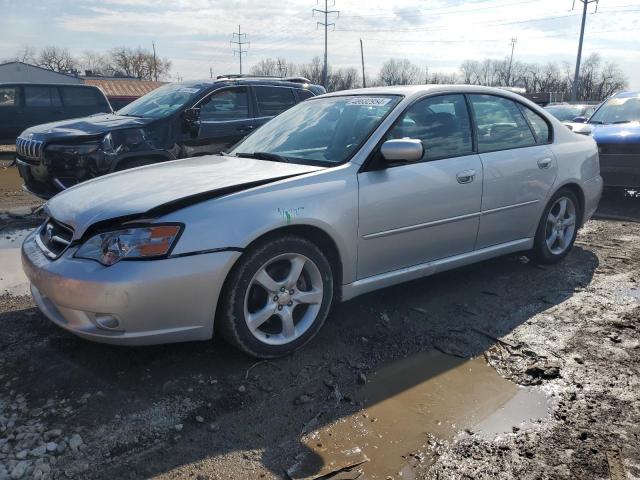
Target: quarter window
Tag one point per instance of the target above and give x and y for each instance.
(538, 124)
(80, 97)
(274, 100)
(41, 97)
(304, 94)
(500, 124)
(226, 105)
(442, 123)
(9, 97)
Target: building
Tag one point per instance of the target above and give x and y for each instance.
(121, 91)
(20, 72)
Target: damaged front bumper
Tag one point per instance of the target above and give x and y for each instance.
(131, 302)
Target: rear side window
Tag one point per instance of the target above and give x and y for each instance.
(41, 97)
(538, 124)
(81, 97)
(9, 96)
(303, 94)
(500, 124)
(274, 100)
(442, 124)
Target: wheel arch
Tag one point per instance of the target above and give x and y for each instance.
(576, 189)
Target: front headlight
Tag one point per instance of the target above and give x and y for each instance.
(152, 241)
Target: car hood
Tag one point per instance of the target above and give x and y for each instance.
(612, 133)
(157, 189)
(93, 125)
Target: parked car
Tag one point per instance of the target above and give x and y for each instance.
(615, 126)
(566, 112)
(23, 105)
(174, 121)
(338, 196)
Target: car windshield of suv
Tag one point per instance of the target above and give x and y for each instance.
(565, 113)
(161, 102)
(320, 131)
(618, 110)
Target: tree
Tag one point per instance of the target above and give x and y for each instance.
(313, 70)
(57, 59)
(137, 63)
(94, 62)
(273, 67)
(398, 72)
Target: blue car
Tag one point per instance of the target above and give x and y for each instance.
(615, 126)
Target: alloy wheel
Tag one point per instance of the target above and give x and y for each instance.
(561, 225)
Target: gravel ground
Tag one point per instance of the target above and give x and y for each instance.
(74, 409)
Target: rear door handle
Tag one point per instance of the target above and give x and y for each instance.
(466, 176)
(544, 163)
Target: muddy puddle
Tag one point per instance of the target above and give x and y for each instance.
(10, 180)
(404, 402)
(12, 279)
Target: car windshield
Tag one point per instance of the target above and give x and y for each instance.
(161, 102)
(322, 131)
(565, 113)
(618, 110)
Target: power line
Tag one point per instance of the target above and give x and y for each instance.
(442, 9)
(576, 75)
(239, 42)
(326, 12)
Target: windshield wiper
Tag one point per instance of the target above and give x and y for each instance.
(597, 122)
(621, 121)
(273, 157)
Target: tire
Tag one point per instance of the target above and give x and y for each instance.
(136, 162)
(282, 321)
(554, 240)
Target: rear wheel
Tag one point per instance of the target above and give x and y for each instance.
(276, 298)
(558, 228)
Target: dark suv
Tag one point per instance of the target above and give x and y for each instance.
(177, 120)
(24, 105)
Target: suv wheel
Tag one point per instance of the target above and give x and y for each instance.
(558, 228)
(276, 298)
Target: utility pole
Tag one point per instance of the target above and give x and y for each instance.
(326, 12)
(513, 46)
(282, 69)
(364, 79)
(155, 65)
(239, 42)
(211, 72)
(576, 75)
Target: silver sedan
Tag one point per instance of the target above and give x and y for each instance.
(340, 195)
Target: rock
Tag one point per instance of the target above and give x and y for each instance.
(75, 441)
(39, 451)
(214, 427)
(52, 447)
(178, 427)
(302, 399)
(19, 470)
(578, 360)
(51, 434)
(22, 454)
(199, 419)
(242, 389)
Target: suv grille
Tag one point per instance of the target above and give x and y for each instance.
(54, 238)
(29, 149)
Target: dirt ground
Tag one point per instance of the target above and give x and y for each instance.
(503, 369)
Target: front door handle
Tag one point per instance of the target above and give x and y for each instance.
(466, 176)
(544, 163)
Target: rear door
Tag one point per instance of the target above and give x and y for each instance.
(225, 119)
(519, 168)
(271, 101)
(12, 118)
(418, 212)
(82, 101)
(42, 104)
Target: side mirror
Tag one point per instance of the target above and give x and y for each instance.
(580, 120)
(402, 150)
(191, 115)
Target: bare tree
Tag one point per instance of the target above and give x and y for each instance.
(57, 59)
(137, 63)
(94, 62)
(274, 67)
(26, 54)
(398, 72)
(313, 70)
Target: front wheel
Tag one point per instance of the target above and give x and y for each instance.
(276, 298)
(558, 228)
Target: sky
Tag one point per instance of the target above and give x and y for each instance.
(438, 34)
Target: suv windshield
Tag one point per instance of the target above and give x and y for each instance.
(618, 110)
(161, 102)
(321, 131)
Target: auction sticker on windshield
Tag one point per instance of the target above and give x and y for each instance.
(369, 101)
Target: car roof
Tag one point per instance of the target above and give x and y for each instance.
(629, 94)
(247, 81)
(32, 84)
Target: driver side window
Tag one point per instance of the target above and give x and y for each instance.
(442, 124)
(226, 105)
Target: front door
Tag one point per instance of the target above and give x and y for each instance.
(519, 168)
(225, 119)
(415, 213)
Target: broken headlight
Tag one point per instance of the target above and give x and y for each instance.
(153, 241)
